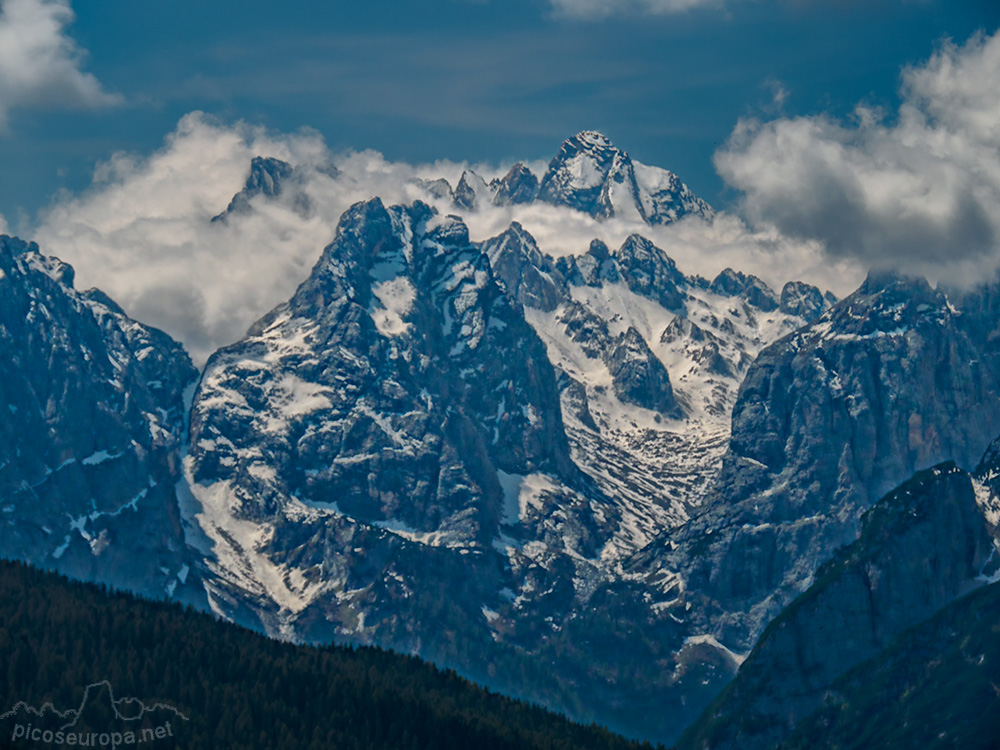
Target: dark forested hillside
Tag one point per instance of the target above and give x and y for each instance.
(239, 689)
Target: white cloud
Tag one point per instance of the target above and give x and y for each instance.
(596, 9)
(39, 63)
(143, 231)
(919, 191)
(698, 248)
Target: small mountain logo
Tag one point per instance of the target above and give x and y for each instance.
(100, 720)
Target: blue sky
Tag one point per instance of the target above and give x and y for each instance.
(463, 80)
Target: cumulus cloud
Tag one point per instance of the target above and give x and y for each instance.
(39, 64)
(143, 231)
(919, 191)
(596, 9)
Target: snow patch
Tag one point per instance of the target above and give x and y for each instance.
(428, 538)
(710, 640)
(396, 296)
(988, 504)
(301, 397)
(238, 546)
(511, 485)
(263, 472)
(58, 551)
(583, 171)
(99, 457)
(523, 493)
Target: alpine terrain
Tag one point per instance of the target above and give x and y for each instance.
(594, 481)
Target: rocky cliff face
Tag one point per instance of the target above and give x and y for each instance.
(422, 312)
(921, 546)
(804, 300)
(395, 397)
(648, 271)
(639, 377)
(89, 441)
(934, 687)
(893, 379)
(268, 177)
(519, 185)
(472, 192)
(528, 276)
(732, 283)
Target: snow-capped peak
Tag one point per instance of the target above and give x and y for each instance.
(591, 175)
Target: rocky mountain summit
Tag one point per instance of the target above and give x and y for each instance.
(593, 176)
(274, 179)
(589, 174)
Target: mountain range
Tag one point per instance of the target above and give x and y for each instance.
(592, 481)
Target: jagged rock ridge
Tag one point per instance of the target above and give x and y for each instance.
(588, 174)
(93, 419)
(593, 176)
(273, 179)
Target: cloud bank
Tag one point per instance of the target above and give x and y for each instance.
(597, 9)
(143, 231)
(698, 247)
(919, 192)
(40, 65)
